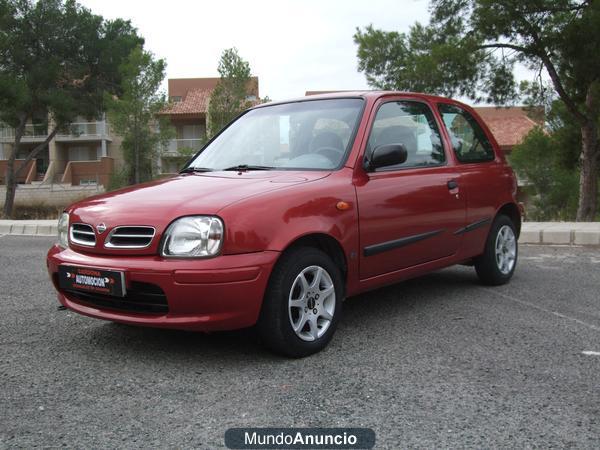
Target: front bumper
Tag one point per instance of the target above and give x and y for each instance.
(222, 293)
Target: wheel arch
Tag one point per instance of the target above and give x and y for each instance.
(511, 210)
(325, 242)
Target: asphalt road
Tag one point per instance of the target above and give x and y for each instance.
(438, 361)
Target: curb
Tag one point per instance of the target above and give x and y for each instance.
(560, 233)
(552, 233)
(29, 227)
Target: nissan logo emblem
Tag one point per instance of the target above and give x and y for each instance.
(101, 227)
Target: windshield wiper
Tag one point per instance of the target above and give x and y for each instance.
(244, 167)
(196, 169)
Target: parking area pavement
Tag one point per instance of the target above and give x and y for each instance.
(438, 361)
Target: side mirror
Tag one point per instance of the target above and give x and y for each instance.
(386, 155)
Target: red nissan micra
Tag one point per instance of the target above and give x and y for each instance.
(290, 209)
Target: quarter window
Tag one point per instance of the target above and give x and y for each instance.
(411, 124)
(469, 141)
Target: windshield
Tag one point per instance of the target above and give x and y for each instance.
(303, 135)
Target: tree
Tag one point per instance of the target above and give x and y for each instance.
(134, 114)
(470, 48)
(56, 61)
(229, 96)
(184, 154)
(547, 160)
(551, 183)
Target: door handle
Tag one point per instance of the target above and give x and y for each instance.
(452, 184)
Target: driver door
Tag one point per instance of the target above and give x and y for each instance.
(409, 213)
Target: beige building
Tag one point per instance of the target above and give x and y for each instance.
(88, 151)
(189, 105)
(83, 154)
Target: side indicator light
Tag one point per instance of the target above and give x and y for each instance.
(342, 206)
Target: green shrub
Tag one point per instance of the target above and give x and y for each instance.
(553, 186)
(118, 179)
(36, 211)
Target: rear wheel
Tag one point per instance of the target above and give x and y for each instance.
(302, 304)
(498, 262)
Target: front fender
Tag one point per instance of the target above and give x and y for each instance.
(275, 220)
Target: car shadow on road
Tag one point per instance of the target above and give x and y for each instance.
(238, 344)
(419, 296)
(409, 295)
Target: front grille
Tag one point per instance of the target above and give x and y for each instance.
(141, 297)
(83, 234)
(130, 237)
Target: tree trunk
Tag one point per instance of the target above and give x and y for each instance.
(588, 178)
(137, 162)
(11, 176)
(136, 152)
(36, 150)
(11, 185)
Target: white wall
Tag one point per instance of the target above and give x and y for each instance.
(52, 195)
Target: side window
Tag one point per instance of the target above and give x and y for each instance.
(468, 138)
(411, 124)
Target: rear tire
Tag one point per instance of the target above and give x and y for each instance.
(302, 304)
(498, 262)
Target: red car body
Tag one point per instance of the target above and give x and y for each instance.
(443, 212)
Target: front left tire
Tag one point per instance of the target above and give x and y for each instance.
(302, 304)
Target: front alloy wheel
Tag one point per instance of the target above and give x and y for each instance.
(302, 303)
(311, 303)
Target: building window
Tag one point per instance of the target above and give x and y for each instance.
(82, 154)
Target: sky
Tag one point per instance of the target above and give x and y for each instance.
(292, 46)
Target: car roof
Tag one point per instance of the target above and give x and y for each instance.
(366, 94)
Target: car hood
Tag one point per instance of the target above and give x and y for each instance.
(159, 202)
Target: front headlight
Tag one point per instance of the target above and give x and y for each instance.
(193, 237)
(63, 230)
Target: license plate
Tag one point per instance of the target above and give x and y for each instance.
(97, 281)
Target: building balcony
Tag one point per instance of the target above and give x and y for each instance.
(26, 176)
(88, 173)
(32, 133)
(77, 131)
(85, 131)
(183, 147)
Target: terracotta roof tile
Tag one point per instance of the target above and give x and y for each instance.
(195, 102)
(508, 125)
